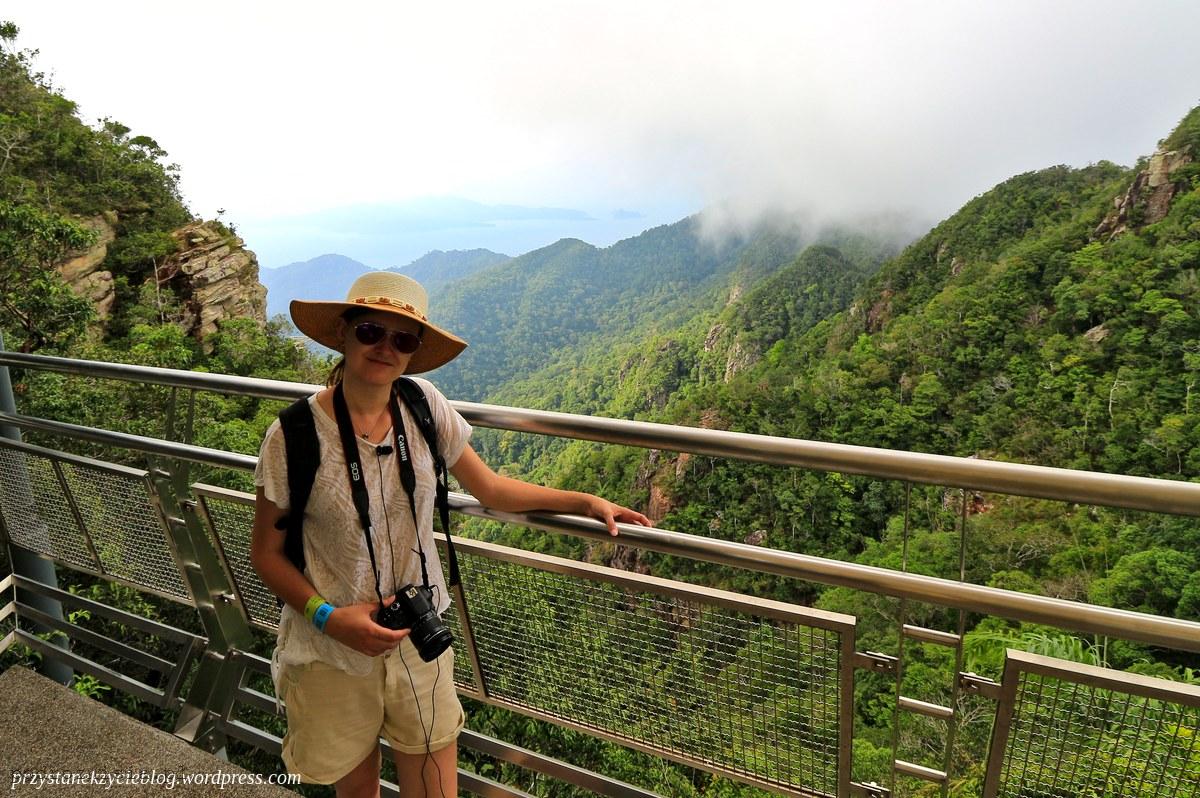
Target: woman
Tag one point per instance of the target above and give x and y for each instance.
(346, 679)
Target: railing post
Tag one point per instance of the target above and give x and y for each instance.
(24, 562)
(216, 603)
(464, 620)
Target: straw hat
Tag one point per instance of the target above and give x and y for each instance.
(389, 292)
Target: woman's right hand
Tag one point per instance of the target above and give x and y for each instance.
(354, 626)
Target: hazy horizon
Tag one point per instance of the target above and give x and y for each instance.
(389, 235)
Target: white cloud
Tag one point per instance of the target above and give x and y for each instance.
(833, 108)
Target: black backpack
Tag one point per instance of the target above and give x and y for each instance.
(304, 455)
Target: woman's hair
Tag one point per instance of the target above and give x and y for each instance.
(339, 368)
(336, 373)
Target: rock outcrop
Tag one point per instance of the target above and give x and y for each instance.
(742, 355)
(82, 270)
(212, 273)
(215, 277)
(658, 473)
(1149, 197)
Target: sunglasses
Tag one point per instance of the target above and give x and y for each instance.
(369, 333)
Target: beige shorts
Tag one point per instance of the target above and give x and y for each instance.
(334, 719)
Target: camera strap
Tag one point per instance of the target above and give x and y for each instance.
(358, 484)
(418, 406)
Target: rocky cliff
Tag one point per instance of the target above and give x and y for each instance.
(211, 271)
(215, 276)
(82, 270)
(1149, 197)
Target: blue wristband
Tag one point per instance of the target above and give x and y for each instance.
(322, 615)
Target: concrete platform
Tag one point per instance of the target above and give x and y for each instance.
(48, 731)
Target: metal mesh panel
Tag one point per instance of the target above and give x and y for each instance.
(1070, 740)
(231, 525)
(464, 677)
(35, 509)
(695, 682)
(125, 528)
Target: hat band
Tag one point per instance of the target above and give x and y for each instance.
(387, 300)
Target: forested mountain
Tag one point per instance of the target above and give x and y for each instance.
(56, 173)
(331, 275)
(550, 305)
(436, 268)
(636, 376)
(518, 316)
(1027, 326)
(321, 277)
(1022, 327)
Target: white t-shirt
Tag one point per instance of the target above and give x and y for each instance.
(335, 549)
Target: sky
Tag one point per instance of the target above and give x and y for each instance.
(622, 115)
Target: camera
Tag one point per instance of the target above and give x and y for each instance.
(413, 609)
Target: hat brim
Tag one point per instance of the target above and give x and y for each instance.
(318, 320)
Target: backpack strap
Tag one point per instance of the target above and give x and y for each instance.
(418, 405)
(303, 457)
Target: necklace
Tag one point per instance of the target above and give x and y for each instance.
(370, 432)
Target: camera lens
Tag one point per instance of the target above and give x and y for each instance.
(414, 610)
(431, 637)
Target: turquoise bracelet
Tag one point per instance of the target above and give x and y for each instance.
(322, 615)
(311, 607)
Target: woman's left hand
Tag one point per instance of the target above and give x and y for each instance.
(611, 513)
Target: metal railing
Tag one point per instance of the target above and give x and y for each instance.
(796, 740)
(1072, 729)
(1064, 484)
(164, 678)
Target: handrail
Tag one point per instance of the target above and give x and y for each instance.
(1060, 484)
(1086, 487)
(141, 443)
(154, 375)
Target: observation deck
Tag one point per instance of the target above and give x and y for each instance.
(739, 686)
